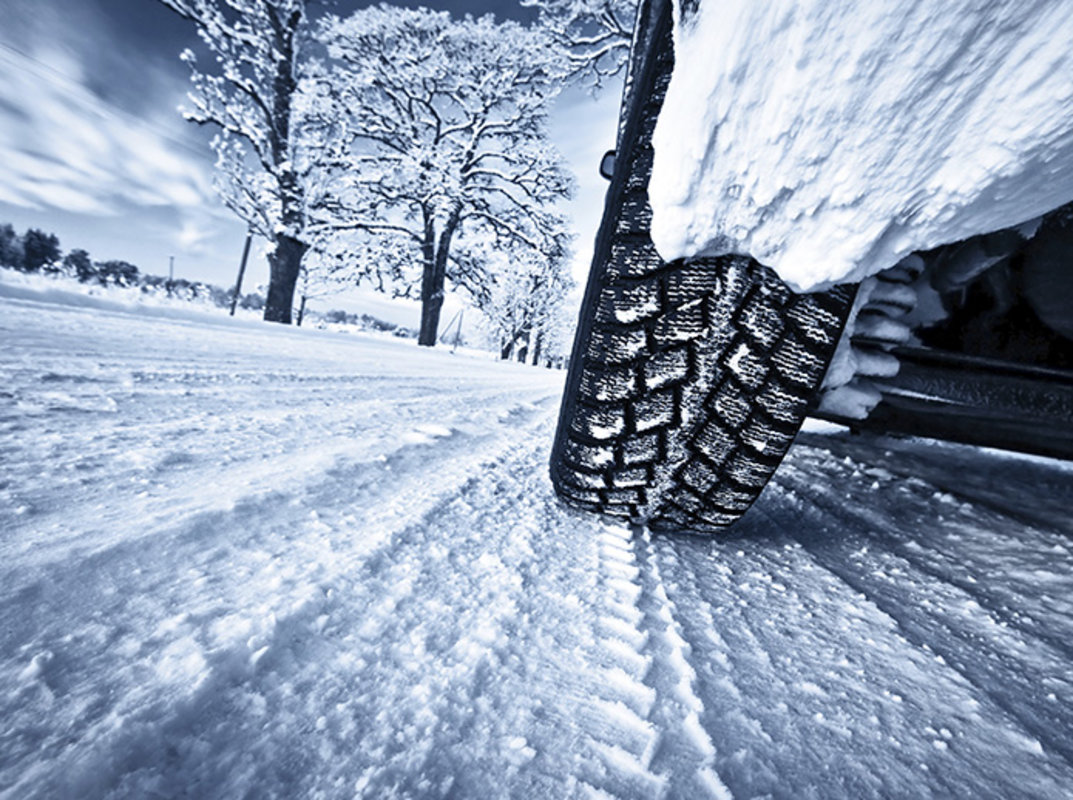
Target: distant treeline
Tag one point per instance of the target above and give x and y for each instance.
(368, 322)
(38, 251)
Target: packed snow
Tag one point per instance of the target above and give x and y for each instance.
(243, 560)
(829, 139)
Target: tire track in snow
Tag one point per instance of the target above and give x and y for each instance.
(685, 754)
(1027, 680)
(735, 670)
(461, 659)
(648, 734)
(267, 559)
(771, 719)
(494, 651)
(947, 555)
(623, 738)
(1017, 570)
(810, 690)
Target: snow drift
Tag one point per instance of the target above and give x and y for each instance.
(829, 139)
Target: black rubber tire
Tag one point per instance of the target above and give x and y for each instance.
(688, 380)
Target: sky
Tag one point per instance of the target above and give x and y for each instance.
(94, 149)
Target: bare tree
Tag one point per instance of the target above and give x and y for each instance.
(262, 165)
(594, 34)
(445, 124)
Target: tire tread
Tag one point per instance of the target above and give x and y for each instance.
(689, 379)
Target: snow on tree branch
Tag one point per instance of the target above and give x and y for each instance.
(445, 131)
(252, 95)
(594, 34)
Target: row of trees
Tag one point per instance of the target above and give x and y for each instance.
(402, 147)
(38, 251)
(34, 251)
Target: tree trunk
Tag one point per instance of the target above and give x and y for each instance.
(285, 261)
(301, 311)
(431, 304)
(538, 346)
(435, 274)
(430, 319)
(283, 267)
(524, 340)
(506, 347)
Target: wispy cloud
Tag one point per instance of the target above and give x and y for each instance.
(63, 146)
(194, 235)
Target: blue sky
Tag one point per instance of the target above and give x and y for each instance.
(92, 145)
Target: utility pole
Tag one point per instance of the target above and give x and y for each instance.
(458, 332)
(241, 271)
(445, 336)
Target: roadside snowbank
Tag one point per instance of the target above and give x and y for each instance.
(829, 138)
(375, 318)
(64, 291)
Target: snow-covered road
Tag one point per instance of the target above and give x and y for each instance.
(238, 560)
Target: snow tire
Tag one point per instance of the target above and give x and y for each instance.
(688, 380)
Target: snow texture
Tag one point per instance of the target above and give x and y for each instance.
(242, 560)
(829, 139)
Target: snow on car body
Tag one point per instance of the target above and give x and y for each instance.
(830, 140)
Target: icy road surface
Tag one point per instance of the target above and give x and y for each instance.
(244, 561)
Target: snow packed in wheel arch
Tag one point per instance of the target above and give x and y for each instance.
(809, 199)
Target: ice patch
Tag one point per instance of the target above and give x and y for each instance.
(424, 434)
(36, 668)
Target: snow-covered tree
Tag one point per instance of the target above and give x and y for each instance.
(446, 141)
(523, 301)
(594, 34)
(262, 166)
(78, 264)
(40, 249)
(559, 336)
(12, 253)
(322, 268)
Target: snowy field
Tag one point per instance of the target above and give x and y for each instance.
(239, 560)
